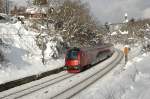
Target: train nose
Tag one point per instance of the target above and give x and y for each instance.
(72, 62)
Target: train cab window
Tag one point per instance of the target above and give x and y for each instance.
(72, 55)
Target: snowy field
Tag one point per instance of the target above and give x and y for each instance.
(22, 55)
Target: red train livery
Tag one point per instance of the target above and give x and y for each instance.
(79, 58)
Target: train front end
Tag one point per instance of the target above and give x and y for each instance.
(72, 60)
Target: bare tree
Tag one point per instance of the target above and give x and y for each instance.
(1, 6)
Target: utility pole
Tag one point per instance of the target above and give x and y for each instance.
(126, 48)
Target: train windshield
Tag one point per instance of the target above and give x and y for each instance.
(72, 55)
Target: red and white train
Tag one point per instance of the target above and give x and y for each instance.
(78, 59)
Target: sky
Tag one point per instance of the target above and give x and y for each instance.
(114, 10)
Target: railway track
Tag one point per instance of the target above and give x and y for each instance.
(33, 87)
(69, 93)
(52, 85)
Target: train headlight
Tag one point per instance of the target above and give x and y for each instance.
(65, 67)
(76, 67)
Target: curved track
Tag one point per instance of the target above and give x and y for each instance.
(67, 94)
(69, 90)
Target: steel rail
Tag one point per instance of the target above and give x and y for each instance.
(47, 82)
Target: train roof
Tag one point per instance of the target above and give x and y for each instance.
(91, 48)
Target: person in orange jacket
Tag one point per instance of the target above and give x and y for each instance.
(126, 51)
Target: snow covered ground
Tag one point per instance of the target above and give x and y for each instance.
(22, 55)
(130, 81)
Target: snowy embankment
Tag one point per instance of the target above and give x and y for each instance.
(130, 81)
(22, 55)
(138, 81)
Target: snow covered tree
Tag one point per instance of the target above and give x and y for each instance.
(68, 23)
(75, 22)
